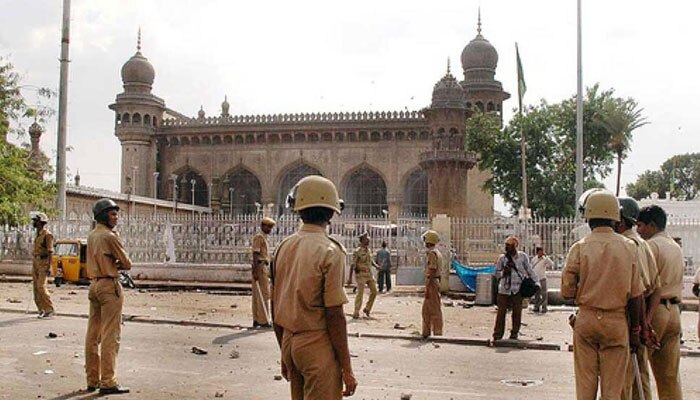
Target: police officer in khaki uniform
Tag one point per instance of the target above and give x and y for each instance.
(629, 212)
(261, 273)
(105, 257)
(362, 266)
(664, 310)
(602, 274)
(432, 311)
(41, 264)
(307, 300)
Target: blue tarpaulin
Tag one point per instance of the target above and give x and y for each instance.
(468, 274)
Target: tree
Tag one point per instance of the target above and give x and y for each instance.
(550, 130)
(679, 175)
(620, 117)
(20, 188)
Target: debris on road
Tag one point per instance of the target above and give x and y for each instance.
(448, 303)
(406, 396)
(51, 335)
(234, 305)
(40, 352)
(399, 326)
(72, 292)
(234, 355)
(199, 351)
(219, 394)
(14, 301)
(48, 371)
(278, 377)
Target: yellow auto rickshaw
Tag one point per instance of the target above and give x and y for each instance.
(69, 260)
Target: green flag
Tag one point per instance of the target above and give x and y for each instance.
(522, 88)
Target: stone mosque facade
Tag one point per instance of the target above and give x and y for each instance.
(404, 162)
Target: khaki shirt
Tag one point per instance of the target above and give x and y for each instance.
(308, 273)
(647, 264)
(601, 271)
(260, 247)
(43, 245)
(432, 265)
(362, 260)
(104, 249)
(669, 261)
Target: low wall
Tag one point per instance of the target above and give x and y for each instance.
(226, 273)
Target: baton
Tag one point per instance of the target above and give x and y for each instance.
(264, 303)
(638, 376)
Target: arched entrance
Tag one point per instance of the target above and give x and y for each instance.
(364, 193)
(415, 193)
(288, 181)
(240, 191)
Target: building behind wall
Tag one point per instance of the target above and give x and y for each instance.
(406, 162)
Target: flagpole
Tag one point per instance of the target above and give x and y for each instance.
(579, 112)
(523, 147)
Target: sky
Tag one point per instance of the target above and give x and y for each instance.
(278, 56)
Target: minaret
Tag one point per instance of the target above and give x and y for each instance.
(447, 164)
(482, 93)
(35, 155)
(138, 115)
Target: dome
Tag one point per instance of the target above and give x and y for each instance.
(138, 70)
(479, 53)
(448, 93)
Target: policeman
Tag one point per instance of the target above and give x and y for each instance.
(664, 309)
(308, 297)
(432, 313)
(41, 264)
(261, 273)
(362, 266)
(602, 274)
(105, 257)
(629, 212)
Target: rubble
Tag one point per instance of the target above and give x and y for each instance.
(199, 351)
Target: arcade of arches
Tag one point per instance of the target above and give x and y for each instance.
(364, 190)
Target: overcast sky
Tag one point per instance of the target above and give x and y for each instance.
(309, 56)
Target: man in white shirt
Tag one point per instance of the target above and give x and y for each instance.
(540, 264)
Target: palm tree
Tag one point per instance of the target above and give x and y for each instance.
(619, 118)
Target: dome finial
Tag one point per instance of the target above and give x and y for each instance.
(448, 66)
(138, 41)
(478, 24)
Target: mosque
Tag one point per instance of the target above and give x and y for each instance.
(400, 162)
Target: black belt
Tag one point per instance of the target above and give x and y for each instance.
(673, 300)
(103, 277)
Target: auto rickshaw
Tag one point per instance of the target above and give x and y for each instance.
(69, 260)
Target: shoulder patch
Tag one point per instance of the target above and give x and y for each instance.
(342, 248)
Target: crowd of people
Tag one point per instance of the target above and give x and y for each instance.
(626, 278)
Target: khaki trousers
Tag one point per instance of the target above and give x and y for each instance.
(314, 372)
(541, 299)
(104, 332)
(504, 301)
(601, 350)
(630, 391)
(263, 280)
(432, 313)
(363, 279)
(41, 294)
(665, 362)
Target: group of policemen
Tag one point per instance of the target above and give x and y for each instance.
(106, 256)
(627, 287)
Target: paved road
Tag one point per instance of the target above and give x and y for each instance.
(157, 363)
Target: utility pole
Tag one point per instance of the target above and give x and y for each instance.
(63, 113)
(579, 112)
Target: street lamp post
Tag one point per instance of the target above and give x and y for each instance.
(230, 201)
(387, 233)
(173, 178)
(155, 192)
(133, 188)
(211, 185)
(193, 182)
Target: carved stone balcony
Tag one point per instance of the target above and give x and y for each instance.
(455, 158)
